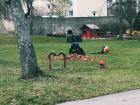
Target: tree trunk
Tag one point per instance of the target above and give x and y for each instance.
(31, 17)
(120, 31)
(26, 51)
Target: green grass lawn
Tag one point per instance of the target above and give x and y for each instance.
(81, 79)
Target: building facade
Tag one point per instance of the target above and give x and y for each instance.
(87, 8)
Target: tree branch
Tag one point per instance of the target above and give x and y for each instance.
(28, 9)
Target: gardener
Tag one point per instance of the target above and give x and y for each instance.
(74, 40)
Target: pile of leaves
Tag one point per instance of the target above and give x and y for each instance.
(78, 57)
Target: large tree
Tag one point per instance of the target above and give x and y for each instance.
(27, 55)
(125, 9)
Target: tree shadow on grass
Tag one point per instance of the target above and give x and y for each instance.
(10, 67)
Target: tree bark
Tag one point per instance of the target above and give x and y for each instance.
(120, 31)
(26, 50)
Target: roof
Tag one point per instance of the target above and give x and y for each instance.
(92, 26)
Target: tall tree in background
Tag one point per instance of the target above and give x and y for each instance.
(136, 22)
(125, 9)
(4, 11)
(28, 59)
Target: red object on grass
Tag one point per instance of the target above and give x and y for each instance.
(106, 49)
(102, 62)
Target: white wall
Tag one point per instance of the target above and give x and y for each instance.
(84, 8)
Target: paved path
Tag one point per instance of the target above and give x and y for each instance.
(123, 98)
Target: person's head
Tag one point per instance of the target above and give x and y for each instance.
(69, 32)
